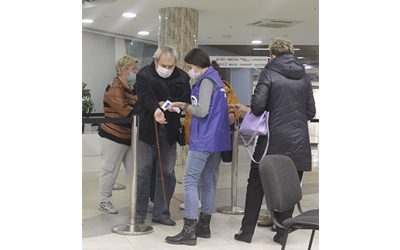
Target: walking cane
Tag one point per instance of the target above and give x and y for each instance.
(160, 163)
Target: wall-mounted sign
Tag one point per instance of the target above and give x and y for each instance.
(241, 61)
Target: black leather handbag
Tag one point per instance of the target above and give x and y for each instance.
(226, 156)
(181, 135)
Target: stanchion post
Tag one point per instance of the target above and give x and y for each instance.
(133, 228)
(233, 208)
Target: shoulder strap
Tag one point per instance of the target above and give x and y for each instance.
(247, 144)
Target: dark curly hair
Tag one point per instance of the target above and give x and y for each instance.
(280, 46)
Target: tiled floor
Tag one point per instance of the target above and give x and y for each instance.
(97, 225)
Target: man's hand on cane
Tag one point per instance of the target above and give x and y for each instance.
(159, 116)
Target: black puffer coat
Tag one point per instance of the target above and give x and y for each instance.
(285, 91)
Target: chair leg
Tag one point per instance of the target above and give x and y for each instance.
(311, 239)
(285, 237)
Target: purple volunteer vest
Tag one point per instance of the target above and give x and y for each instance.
(211, 133)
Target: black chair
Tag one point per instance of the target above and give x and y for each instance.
(282, 191)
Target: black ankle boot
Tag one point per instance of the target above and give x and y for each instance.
(278, 237)
(187, 236)
(242, 236)
(203, 226)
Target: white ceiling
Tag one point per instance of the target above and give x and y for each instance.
(216, 18)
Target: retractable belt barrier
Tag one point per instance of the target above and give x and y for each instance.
(87, 119)
(233, 208)
(131, 228)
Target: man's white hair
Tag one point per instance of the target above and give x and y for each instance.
(165, 50)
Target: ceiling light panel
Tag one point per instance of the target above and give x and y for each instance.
(256, 42)
(87, 20)
(143, 33)
(129, 15)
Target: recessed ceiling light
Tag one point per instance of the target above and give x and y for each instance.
(300, 57)
(87, 20)
(256, 42)
(143, 33)
(129, 14)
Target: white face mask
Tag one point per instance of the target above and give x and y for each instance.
(194, 75)
(164, 72)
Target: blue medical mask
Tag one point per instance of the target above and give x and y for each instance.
(132, 78)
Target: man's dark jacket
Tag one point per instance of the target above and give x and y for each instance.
(285, 91)
(151, 89)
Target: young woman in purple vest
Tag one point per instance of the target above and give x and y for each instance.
(209, 135)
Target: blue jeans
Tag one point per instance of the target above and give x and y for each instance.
(203, 168)
(147, 156)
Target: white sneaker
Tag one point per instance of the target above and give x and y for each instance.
(107, 207)
(118, 186)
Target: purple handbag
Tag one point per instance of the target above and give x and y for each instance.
(254, 126)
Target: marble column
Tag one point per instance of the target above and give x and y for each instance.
(178, 28)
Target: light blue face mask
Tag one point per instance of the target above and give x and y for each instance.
(132, 78)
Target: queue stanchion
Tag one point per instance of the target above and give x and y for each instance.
(133, 228)
(233, 208)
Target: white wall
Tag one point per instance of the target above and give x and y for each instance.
(212, 51)
(98, 65)
(120, 49)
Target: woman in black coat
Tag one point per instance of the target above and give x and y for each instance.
(285, 91)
